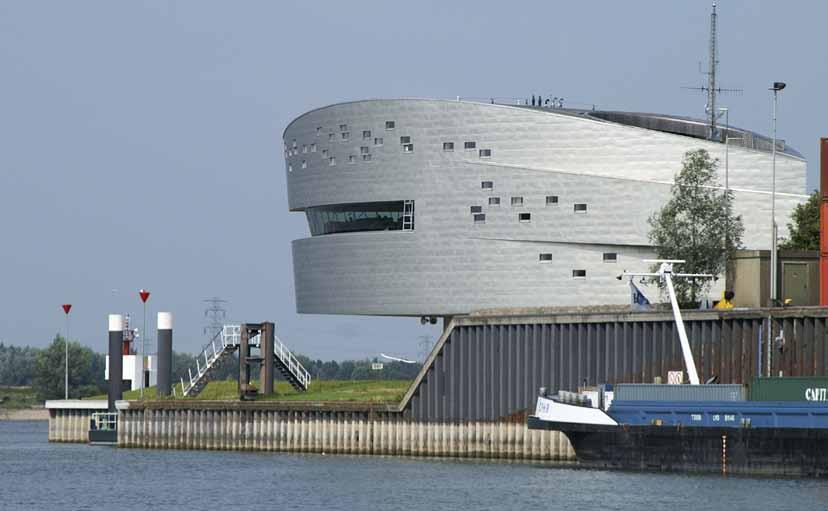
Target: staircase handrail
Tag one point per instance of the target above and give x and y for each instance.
(230, 337)
(295, 367)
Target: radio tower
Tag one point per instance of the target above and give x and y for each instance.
(215, 315)
(711, 88)
(711, 77)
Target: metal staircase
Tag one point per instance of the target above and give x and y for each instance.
(224, 344)
(289, 366)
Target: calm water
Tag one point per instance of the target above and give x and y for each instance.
(37, 475)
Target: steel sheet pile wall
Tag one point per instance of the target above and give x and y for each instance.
(223, 427)
(491, 367)
(69, 425)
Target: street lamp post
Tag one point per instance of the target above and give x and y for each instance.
(66, 308)
(777, 86)
(727, 151)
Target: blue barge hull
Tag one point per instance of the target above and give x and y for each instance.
(722, 414)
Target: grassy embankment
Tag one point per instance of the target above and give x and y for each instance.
(18, 398)
(375, 391)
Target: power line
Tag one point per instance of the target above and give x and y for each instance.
(215, 314)
(424, 346)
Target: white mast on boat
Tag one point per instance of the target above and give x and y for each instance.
(665, 273)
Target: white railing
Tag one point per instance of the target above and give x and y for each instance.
(292, 363)
(104, 421)
(231, 335)
(210, 352)
(229, 338)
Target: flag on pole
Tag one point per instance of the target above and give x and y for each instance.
(638, 300)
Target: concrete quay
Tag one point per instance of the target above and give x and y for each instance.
(69, 419)
(331, 429)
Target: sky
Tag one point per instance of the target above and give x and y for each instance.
(140, 142)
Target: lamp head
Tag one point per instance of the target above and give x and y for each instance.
(778, 86)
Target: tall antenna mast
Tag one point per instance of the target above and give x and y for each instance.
(711, 88)
(712, 113)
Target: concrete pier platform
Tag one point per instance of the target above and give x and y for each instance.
(307, 427)
(69, 418)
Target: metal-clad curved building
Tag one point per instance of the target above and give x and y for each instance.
(435, 207)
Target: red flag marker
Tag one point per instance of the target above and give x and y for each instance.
(144, 295)
(66, 307)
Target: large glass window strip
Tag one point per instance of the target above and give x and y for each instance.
(356, 217)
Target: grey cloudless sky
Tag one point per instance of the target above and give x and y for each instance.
(140, 142)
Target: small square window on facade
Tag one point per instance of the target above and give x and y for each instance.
(517, 201)
(332, 161)
(343, 127)
(480, 218)
(294, 144)
(524, 217)
(610, 257)
(486, 185)
(366, 135)
(313, 148)
(318, 131)
(364, 150)
(578, 274)
(545, 258)
(346, 135)
(551, 200)
(352, 158)
(366, 157)
(494, 201)
(405, 140)
(389, 125)
(304, 164)
(304, 148)
(477, 209)
(378, 141)
(408, 148)
(331, 137)
(448, 146)
(469, 145)
(580, 208)
(324, 153)
(485, 153)
(290, 168)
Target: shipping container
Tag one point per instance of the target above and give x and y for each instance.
(792, 388)
(720, 414)
(654, 392)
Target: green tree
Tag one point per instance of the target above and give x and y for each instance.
(182, 363)
(804, 230)
(697, 224)
(16, 365)
(85, 371)
(329, 370)
(346, 369)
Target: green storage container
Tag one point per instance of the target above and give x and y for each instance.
(794, 388)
